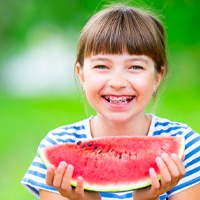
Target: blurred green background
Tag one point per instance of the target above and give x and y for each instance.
(37, 88)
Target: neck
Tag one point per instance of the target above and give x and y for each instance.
(137, 126)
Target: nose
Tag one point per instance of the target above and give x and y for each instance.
(117, 80)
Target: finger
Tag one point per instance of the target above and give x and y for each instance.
(65, 185)
(59, 174)
(154, 179)
(164, 172)
(179, 164)
(172, 166)
(79, 188)
(50, 175)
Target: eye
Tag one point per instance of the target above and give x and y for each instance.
(100, 67)
(136, 67)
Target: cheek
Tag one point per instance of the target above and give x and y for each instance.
(93, 86)
(143, 84)
(94, 81)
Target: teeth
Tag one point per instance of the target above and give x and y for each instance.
(118, 100)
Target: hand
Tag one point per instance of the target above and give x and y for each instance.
(60, 179)
(171, 169)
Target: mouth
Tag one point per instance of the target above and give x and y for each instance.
(118, 100)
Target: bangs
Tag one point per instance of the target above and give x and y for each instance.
(121, 31)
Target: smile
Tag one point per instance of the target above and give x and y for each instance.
(118, 100)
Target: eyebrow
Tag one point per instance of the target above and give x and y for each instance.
(140, 59)
(100, 59)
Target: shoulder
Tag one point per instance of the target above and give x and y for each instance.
(68, 133)
(163, 126)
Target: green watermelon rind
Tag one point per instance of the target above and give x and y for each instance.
(115, 187)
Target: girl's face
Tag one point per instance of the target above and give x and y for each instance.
(119, 86)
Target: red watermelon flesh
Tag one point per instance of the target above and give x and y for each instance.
(113, 164)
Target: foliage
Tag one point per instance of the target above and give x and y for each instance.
(18, 18)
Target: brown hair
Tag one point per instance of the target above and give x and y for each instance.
(119, 28)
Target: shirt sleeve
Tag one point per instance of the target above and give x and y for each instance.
(191, 162)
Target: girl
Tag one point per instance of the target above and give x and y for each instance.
(121, 60)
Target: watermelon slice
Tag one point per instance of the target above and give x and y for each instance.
(113, 164)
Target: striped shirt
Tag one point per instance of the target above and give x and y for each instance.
(34, 179)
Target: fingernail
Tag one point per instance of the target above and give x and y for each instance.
(62, 164)
(50, 168)
(158, 159)
(70, 167)
(151, 170)
(174, 156)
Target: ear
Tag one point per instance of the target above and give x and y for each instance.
(158, 78)
(79, 71)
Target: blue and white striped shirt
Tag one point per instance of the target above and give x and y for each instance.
(34, 179)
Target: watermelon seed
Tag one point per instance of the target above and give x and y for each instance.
(99, 151)
(89, 144)
(95, 147)
(135, 155)
(162, 148)
(109, 150)
(83, 146)
(79, 142)
(120, 155)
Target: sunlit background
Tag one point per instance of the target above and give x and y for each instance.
(38, 91)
